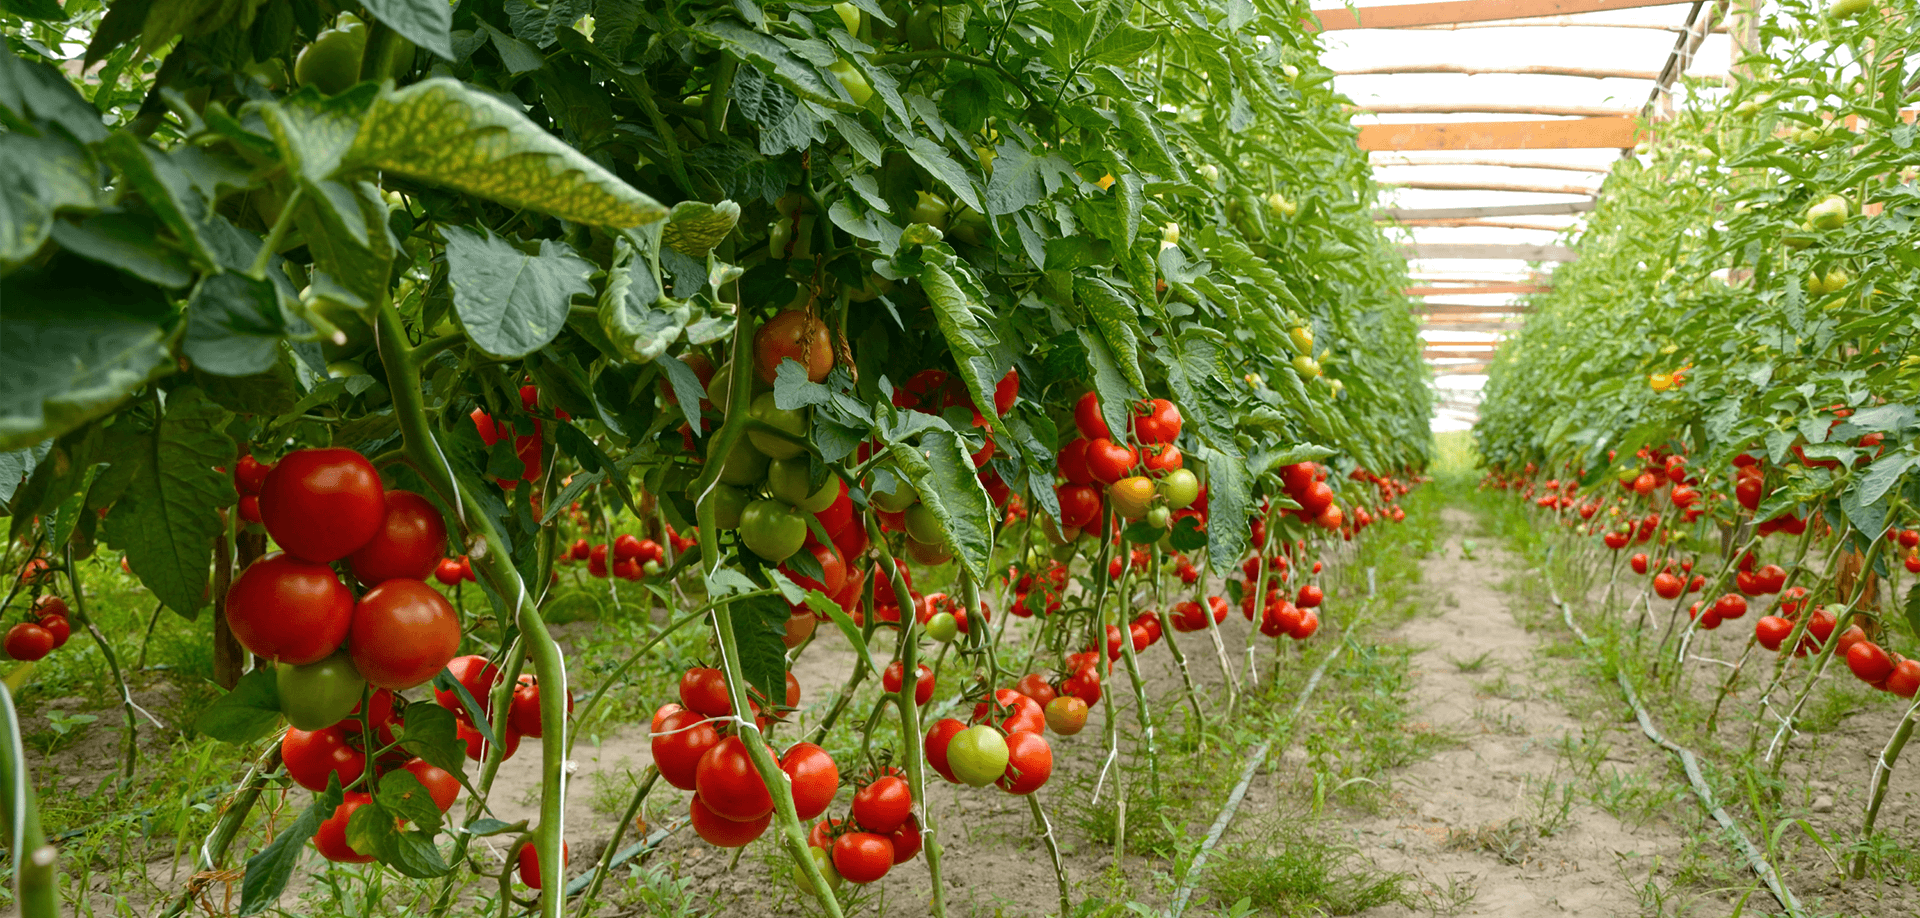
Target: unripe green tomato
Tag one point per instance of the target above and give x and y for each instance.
(1302, 338)
(744, 466)
(1159, 517)
(332, 62)
(943, 627)
(350, 323)
(652, 568)
(1306, 366)
(779, 233)
(898, 497)
(822, 860)
(803, 237)
(772, 529)
(923, 31)
(852, 80)
(728, 503)
(924, 526)
(969, 225)
(930, 554)
(792, 421)
(787, 479)
(319, 695)
(930, 209)
(850, 16)
(1830, 213)
(341, 369)
(1180, 488)
(1210, 173)
(978, 755)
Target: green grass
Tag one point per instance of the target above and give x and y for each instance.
(1290, 868)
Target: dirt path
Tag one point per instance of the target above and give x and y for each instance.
(1507, 814)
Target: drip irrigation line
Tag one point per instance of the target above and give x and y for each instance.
(1688, 761)
(1254, 759)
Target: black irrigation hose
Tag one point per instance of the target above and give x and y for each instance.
(1755, 860)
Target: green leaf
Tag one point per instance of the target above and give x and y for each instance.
(78, 342)
(1228, 504)
(166, 189)
(39, 176)
(1021, 180)
(431, 733)
(639, 321)
(127, 241)
(403, 793)
(933, 157)
(169, 516)
(1883, 475)
(695, 227)
(442, 132)
(759, 629)
(248, 713)
(942, 471)
(511, 303)
(268, 872)
(374, 828)
(1913, 608)
(234, 325)
(36, 92)
(773, 58)
(1117, 321)
(426, 23)
(1115, 391)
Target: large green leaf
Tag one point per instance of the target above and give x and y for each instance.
(38, 177)
(169, 516)
(234, 325)
(77, 342)
(512, 303)
(442, 132)
(268, 872)
(942, 471)
(426, 23)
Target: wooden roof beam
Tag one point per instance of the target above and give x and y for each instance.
(1558, 22)
(1592, 73)
(1449, 12)
(1491, 108)
(1457, 309)
(1476, 290)
(1428, 251)
(1491, 224)
(1580, 190)
(1501, 163)
(1616, 133)
(1504, 210)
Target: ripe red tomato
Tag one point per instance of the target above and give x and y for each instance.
(49, 606)
(938, 737)
(792, 334)
(1731, 605)
(311, 756)
(477, 676)
(441, 785)
(331, 838)
(862, 857)
(408, 544)
(1309, 623)
(626, 547)
(832, 569)
(28, 641)
(289, 610)
(1109, 461)
(1667, 585)
(923, 685)
(476, 741)
(1163, 459)
(529, 860)
(680, 740)
(1157, 421)
(704, 690)
(1007, 390)
(1084, 684)
(1905, 680)
(1079, 505)
(1310, 597)
(250, 474)
(1034, 686)
(1870, 664)
(1025, 716)
(1029, 763)
(906, 840)
(322, 504)
(448, 571)
(883, 805)
(1639, 562)
(720, 832)
(1072, 460)
(404, 632)
(524, 715)
(1771, 631)
(815, 778)
(57, 626)
(727, 781)
(1087, 417)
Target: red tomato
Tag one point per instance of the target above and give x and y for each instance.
(1163, 458)
(404, 632)
(815, 778)
(289, 610)
(331, 838)
(250, 474)
(1159, 422)
(442, 786)
(57, 626)
(1035, 687)
(721, 832)
(524, 715)
(1771, 631)
(1309, 623)
(923, 685)
(529, 860)
(1072, 460)
(883, 805)
(448, 571)
(49, 606)
(704, 690)
(322, 504)
(1668, 586)
(1005, 392)
(832, 569)
(408, 544)
(1087, 417)
(1310, 597)
(680, 740)
(474, 673)
(727, 781)
(310, 756)
(1079, 505)
(792, 334)
(1026, 715)
(28, 641)
(1029, 764)
(1869, 663)
(906, 840)
(862, 857)
(1084, 684)
(938, 736)
(581, 549)
(1905, 679)
(477, 741)
(1639, 562)
(1109, 461)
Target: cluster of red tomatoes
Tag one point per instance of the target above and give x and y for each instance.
(1909, 542)
(633, 557)
(526, 446)
(1280, 614)
(480, 677)
(880, 833)
(1039, 594)
(1306, 484)
(1002, 743)
(44, 634)
(340, 752)
(1143, 474)
(249, 474)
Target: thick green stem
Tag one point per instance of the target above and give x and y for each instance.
(1877, 793)
(492, 562)
(215, 845)
(1045, 828)
(113, 665)
(36, 886)
(910, 737)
